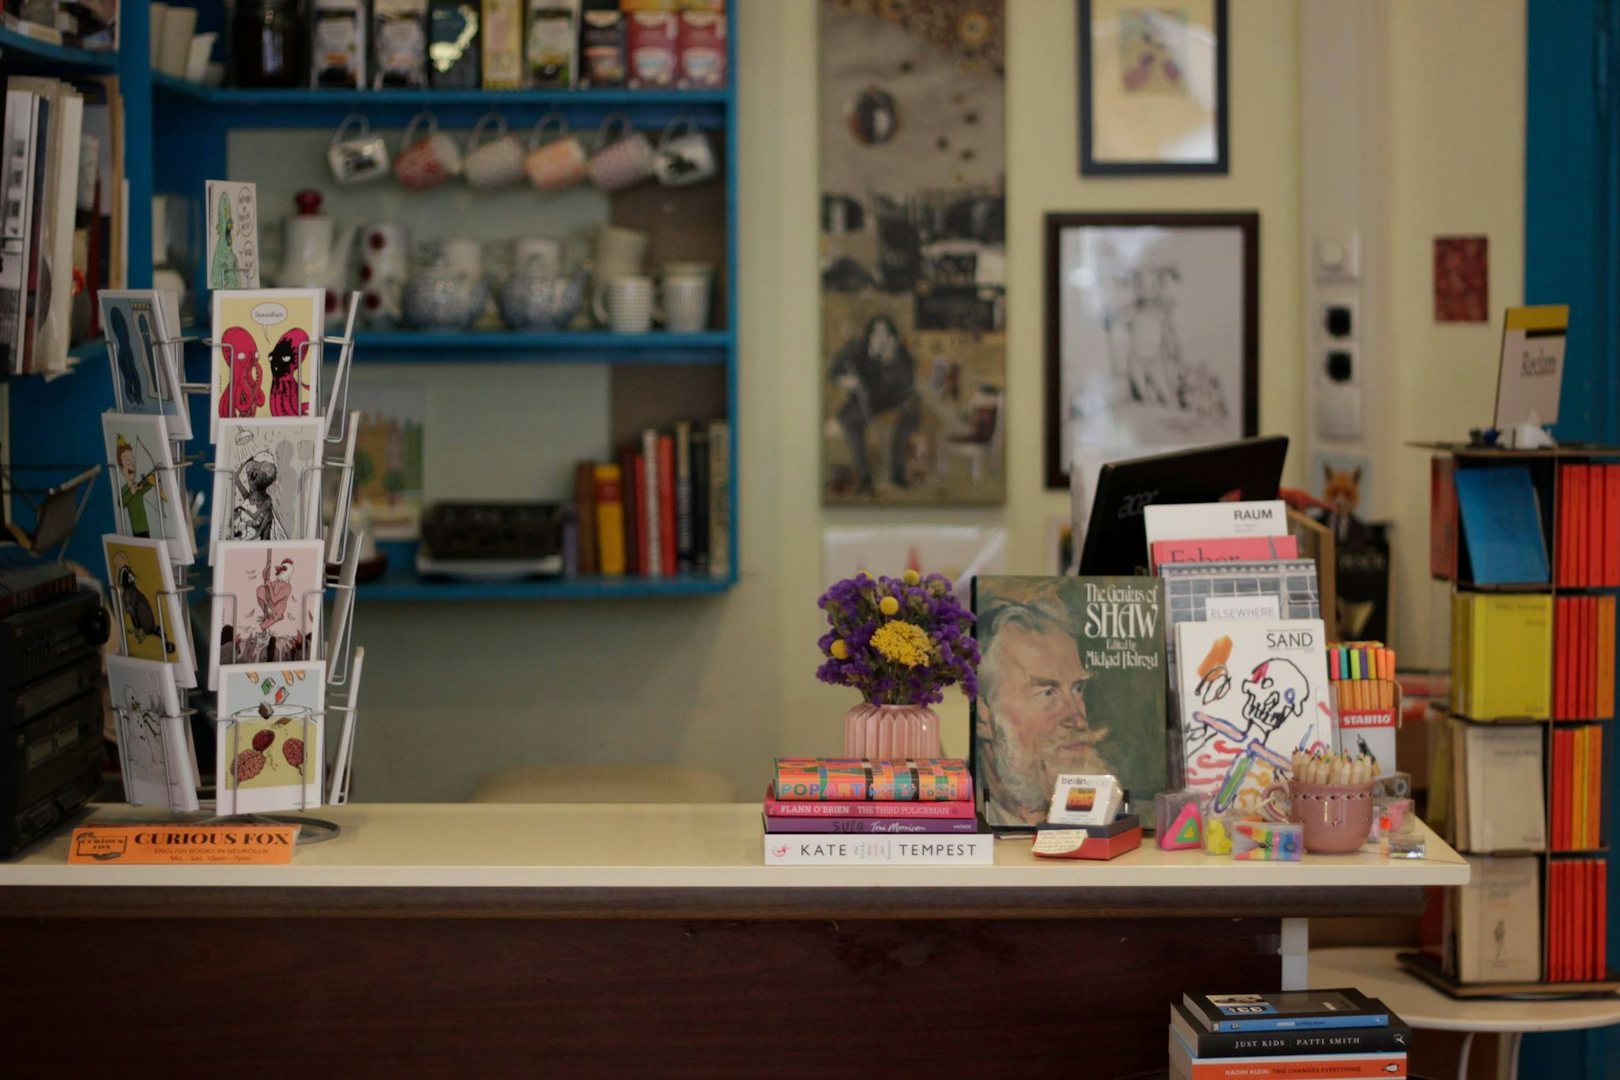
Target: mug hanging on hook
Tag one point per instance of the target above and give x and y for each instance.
(497, 162)
(558, 163)
(358, 157)
(685, 155)
(428, 161)
(621, 160)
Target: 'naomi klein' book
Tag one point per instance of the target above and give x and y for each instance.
(776, 808)
(978, 848)
(1072, 681)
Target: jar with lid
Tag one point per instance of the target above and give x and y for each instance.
(269, 43)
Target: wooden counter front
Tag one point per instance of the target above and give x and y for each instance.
(484, 940)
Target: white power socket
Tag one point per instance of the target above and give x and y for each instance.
(1338, 400)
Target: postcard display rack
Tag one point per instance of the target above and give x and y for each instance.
(1575, 574)
(344, 661)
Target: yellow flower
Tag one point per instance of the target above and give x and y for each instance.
(864, 576)
(889, 605)
(904, 643)
(840, 649)
(912, 577)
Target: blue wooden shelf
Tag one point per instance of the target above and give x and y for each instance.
(271, 107)
(554, 347)
(405, 585)
(24, 51)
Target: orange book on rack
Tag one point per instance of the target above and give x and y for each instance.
(1594, 790)
(1605, 648)
(1588, 609)
(1560, 795)
(1611, 524)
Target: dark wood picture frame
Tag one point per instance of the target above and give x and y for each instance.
(1090, 166)
(1246, 222)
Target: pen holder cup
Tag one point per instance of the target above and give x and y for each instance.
(1337, 817)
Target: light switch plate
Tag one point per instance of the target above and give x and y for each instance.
(1337, 259)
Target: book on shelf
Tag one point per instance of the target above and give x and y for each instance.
(855, 824)
(1583, 676)
(608, 498)
(650, 508)
(1577, 788)
(774, 807)
(700, 500)
(975, 849)
(1497, 922)
(720, 498)
(1501, 525)
(668, 559)
(1225, 549)
(888, 781)
(1184, 1065)
(1503, 780)
(1588, 519)
(1502, 656)
(1443, 517)
(685, 551)
(1395, 1037)
(1577, 920)
(1286, 1010)
(585, 518)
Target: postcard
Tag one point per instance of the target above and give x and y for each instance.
(388, 459)
(267, 481)
(154, 748)
(267, 603)
(267, 354)
(1251, 693)
(147, 499)
(151, 621)
(270, 741)
(233, 235)
(146, 372)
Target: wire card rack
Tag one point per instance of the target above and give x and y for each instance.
(315, 785)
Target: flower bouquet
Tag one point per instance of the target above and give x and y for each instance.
(900, 642)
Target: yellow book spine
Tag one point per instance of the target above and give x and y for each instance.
(609, 520)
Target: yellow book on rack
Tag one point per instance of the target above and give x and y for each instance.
(1509, 656)
(609, 520)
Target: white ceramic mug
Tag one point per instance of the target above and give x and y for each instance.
(685, 307)
(685, 155)
(428, 161)
(384, 266)
(620, 248)
(624, 157)
(496, 162)
(355, 154)
(554, 165)
(625, 304)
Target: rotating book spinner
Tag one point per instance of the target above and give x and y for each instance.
(276, 677)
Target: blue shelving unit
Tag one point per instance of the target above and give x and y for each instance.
(175, 138)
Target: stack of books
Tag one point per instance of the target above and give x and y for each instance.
(662, 510)
(1321, 1034)
(822, 811)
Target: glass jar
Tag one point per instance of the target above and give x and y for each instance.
(269, 43)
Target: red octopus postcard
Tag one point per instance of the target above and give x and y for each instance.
(267, 354)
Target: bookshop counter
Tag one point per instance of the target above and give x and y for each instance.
(498, 940)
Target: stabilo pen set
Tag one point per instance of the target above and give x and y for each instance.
(1363, 676)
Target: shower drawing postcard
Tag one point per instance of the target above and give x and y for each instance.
(267, 484)
(267, 354)
(269, 754)
(233, 235)
(151, 622)
(1252, 692)
(147, 500)
(146, 375)
(152, 746)
(267, 603)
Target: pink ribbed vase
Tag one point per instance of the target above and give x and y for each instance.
(891, 731)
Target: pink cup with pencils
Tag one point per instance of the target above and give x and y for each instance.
(1331, 795)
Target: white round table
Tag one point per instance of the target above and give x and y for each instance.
(1376, 973)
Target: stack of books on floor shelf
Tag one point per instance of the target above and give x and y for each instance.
(662, 510)
(1320, 1034)
(823, 811)
(1527, 543)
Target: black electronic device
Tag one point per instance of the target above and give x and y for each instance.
(51, 745)
(1116, 540)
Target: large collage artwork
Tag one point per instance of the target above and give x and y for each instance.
(913, 256)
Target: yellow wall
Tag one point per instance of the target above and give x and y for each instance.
(730, 681)
(1456, 70)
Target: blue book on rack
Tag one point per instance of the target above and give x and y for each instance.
(1287, 1010)
(1501, 524)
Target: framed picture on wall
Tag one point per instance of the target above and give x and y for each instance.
(1152, 334)
(1152, 87)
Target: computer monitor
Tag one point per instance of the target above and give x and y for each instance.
(1116, 542)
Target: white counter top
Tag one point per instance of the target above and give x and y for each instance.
(685, 846)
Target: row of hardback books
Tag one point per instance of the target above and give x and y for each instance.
(832, 811)
(1287, 1035)
(60, 216)
(1586, 554)
(662, 510)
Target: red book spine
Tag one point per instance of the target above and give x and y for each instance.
(1575, 503)
(1560, 661)
(639, 475)
(1596, 518)
(1606, 648)
(666, 505)
(1589, 657)
(1611, 518)
(1442, 517)
(1601, 950)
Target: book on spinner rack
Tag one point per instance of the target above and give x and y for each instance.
(1286, 1010)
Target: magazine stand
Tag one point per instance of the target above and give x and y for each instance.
(343, 658)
